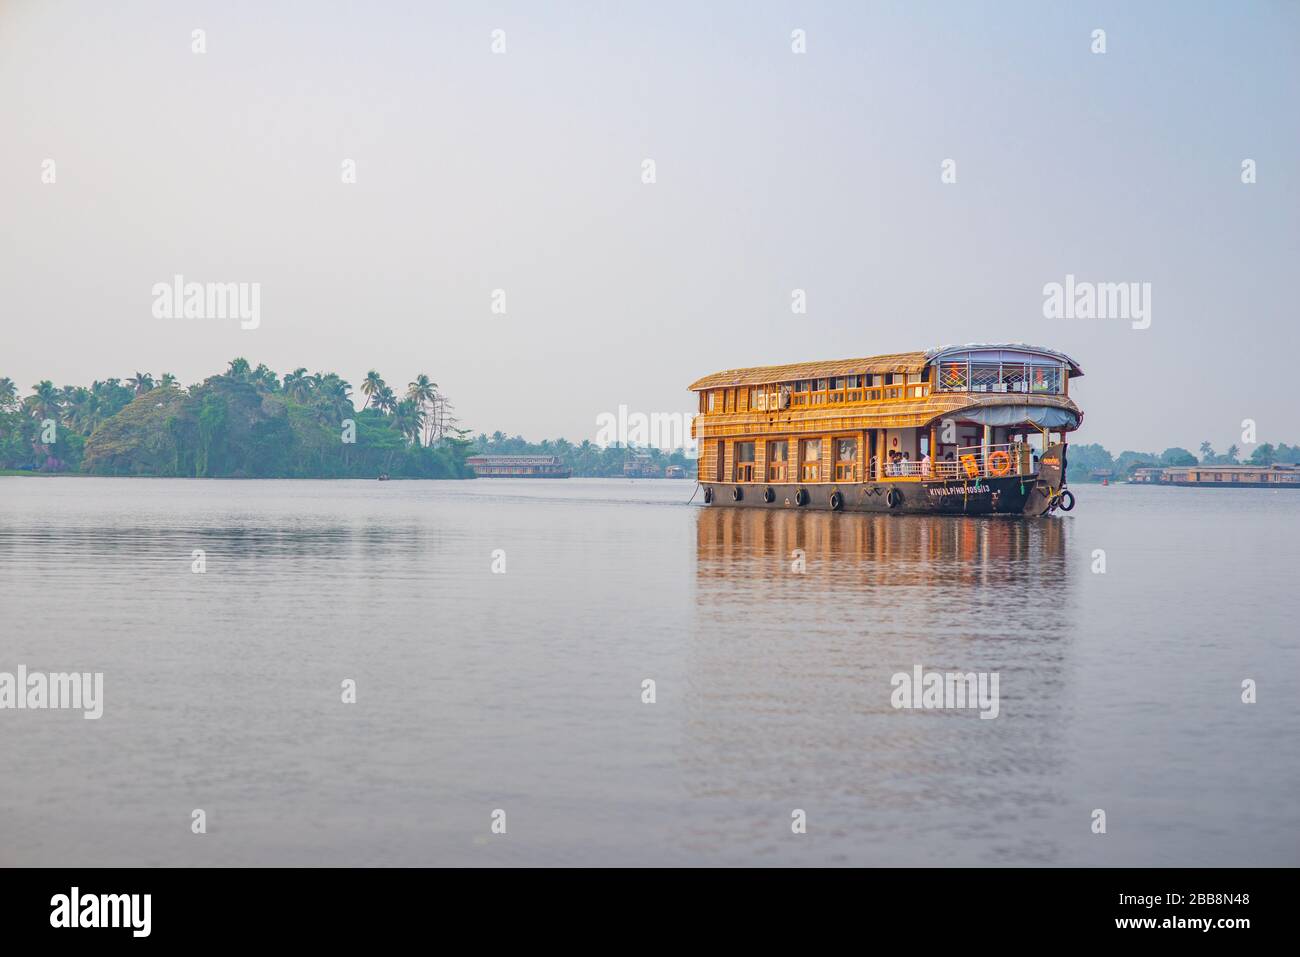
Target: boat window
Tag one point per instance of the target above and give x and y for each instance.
(713, 396)
(1001, 371)
(778, 454)
(808, 471)
(846, 460)
(744, 461)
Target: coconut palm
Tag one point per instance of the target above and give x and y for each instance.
(386, 401)
(140, 383)
(333, 396)
(409, 419)
(265, 377)
(1207, 451)
(43, 403)
(420, 390)
(424, 393)
(298, 384)
(8, 394)
(167, 381)
(239, 368)
(371, 386)
(86, 412)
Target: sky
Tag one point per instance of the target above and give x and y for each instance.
(523, 171)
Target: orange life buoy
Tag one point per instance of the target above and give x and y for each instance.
(1000, 462)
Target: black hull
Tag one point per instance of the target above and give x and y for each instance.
(990, 496)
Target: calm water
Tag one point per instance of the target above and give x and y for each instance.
(522, 690)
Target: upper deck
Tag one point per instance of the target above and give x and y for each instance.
(899, 390)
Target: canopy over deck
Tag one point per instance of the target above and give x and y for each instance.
(896, 362)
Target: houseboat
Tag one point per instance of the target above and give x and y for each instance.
(976, 429)
(1221, 476)
(640, 465)
(518, 466)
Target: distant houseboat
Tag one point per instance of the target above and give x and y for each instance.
(944, 431)
(675, 472)
(1221, 476)
(640, 465)
(518, 466)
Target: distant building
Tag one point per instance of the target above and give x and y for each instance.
(1221, 476)
(1098, 475)
(640, 465)
(518, 466)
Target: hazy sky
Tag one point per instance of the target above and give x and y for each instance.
(522, 171)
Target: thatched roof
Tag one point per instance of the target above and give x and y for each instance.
(905, 362)
(763, 375)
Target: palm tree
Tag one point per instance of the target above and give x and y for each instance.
(333, 395)
(141, 383)
(1232, 454)
(371, 386)
(239, 368)
(265, 377)
(85, 415)
(298, 384)
(1207, 451)
(421, 390)
(43, 403)
(8, 394)
(423, 393)
(385, 401)
(409, 419)
(167, 381)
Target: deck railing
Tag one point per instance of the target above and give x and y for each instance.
(899, 392)
(993, 461)
(972, 462)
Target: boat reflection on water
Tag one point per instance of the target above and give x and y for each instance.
(802, 619)
(934, 551)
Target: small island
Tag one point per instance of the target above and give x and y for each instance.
(246, 422)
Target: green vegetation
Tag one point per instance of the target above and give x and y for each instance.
(243, 423)
(1083, 460)
(586, 460)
